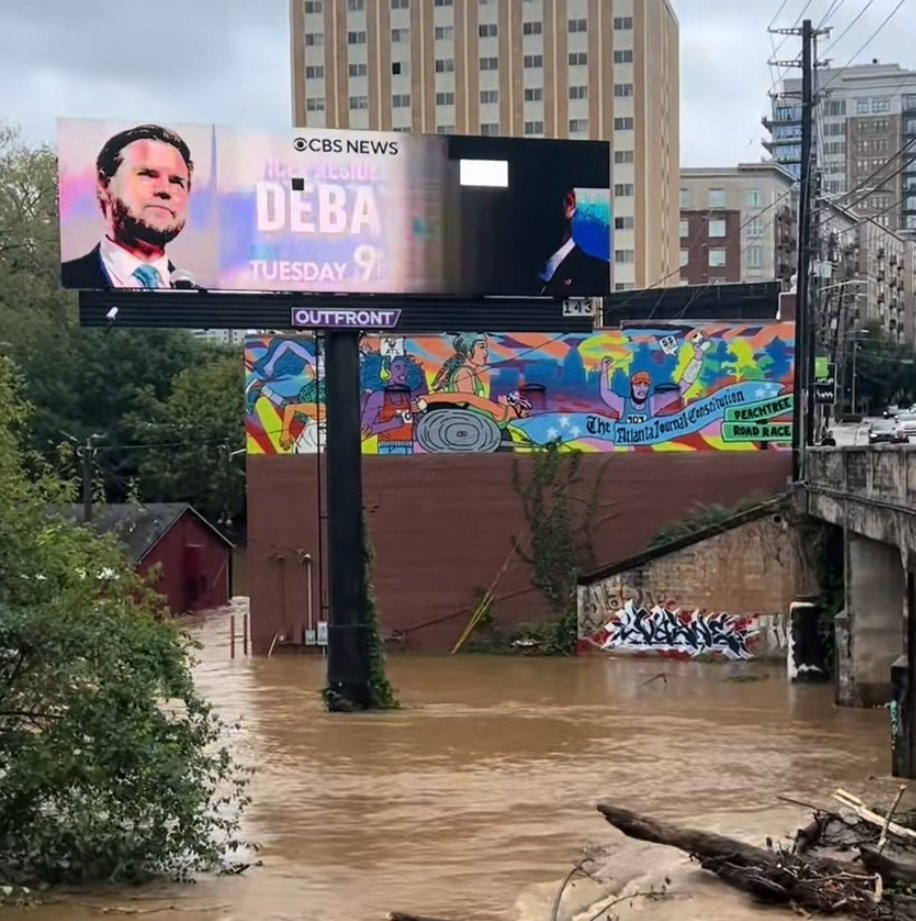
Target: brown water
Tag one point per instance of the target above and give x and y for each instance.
(476, 799)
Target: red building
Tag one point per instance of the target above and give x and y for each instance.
(195, 558)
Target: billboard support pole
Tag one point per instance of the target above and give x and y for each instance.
(348, 634)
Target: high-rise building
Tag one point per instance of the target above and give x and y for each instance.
(865, 115)
(598, 69)
(738, 224)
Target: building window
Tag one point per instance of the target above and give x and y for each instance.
(623, 190)
(314, 39)
(400, 4)
(359, 102)
(534, 127)
(489, 128)
(624, 255)
(444, 32)
(835, 108)
(356, 6)
(717, 258)
(313, 6)
(358, 70)
(684, 257)
(623, 124)
(445, 129)
(624, 223)
(880, 105)
(578, 125)
(834, 129)
(314, 105)
(578, 25)
(445, 99)
(533, 60)
(685, 198)
(400, 101)
(400, 35)
(863, 106)
(532, 28)
(487, 30)
(356, 38)
(623, 23)
(534, 94)
(754, 198)
(442, 3)
(578, 92)
(578, 58)
(487, 96)
(755, 257)
(684, 229)
(716, 198)
(445, 66)
(717, 229)
(622, 156)
(623, 90)
(489, 63)
(623, 56)
(314, 71)
(755, 228)
(397, 68)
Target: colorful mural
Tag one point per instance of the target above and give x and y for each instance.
(641, 388)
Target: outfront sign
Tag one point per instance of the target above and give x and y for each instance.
(310, 318)
(321, 211)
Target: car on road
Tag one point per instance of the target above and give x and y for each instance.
(906, 424)
(891, 411)
(887, 432)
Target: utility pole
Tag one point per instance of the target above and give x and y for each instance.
(86, 454)
(348, 630)
(802, 427)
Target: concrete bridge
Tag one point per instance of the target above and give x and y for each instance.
(870, 493)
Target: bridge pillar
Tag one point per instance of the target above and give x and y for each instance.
(875, 627)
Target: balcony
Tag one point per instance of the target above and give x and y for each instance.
(893, 259)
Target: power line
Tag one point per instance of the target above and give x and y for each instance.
(868, 41)
(778, 13)
(845, 31)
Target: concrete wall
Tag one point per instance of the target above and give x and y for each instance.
(874, 621)
(727, 595)
(443, 527)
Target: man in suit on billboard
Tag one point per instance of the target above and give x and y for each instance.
(570, 271)
(143, 184)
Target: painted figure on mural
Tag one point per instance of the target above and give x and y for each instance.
(644, 401)
(390, 414)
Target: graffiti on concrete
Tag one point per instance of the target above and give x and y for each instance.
(667, 630)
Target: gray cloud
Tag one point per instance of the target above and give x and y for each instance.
(228, 61)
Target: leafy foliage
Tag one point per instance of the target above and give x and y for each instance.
(885, 371)
(702, 516)
(560, 530)
(111, 763)
(191, 436)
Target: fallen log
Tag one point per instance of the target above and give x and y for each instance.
(891, 866)
(817, 884)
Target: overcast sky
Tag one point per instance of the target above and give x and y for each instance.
(228, 61)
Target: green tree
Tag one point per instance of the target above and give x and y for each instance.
(885, 370)
(197, 427)
(112, 764)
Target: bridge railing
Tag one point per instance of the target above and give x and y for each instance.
(877, 474)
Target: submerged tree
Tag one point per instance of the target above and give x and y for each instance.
(111, 763)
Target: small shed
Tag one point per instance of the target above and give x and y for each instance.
(196, 559)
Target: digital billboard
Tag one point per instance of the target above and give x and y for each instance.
(325, 211)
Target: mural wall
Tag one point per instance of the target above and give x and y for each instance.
(714, 387)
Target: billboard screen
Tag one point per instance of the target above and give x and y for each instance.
(315, 210)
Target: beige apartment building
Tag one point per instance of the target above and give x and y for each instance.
(597, 69)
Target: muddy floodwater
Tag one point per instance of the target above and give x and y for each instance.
(475, 800)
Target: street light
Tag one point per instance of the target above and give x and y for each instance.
(855, 333)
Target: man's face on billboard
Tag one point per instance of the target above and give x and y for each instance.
(146, 201)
